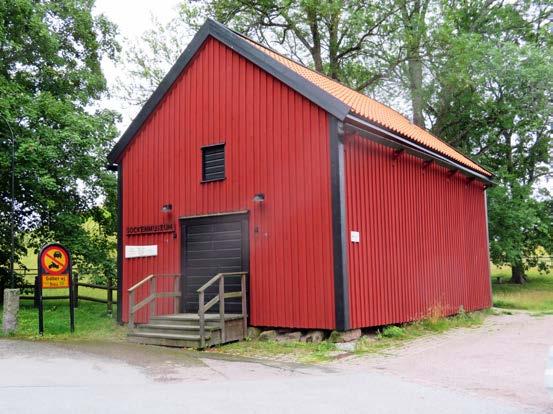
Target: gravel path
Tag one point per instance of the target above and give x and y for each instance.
(504, 358)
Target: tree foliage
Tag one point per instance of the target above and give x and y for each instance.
(50, 82)
(489, 94)
(477, 73)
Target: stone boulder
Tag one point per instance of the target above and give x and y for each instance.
(345, 336)
(346, 346)
(289, 336)
(268, 335)
(253, 332)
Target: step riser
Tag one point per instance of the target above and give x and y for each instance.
(164, 342)
(176, 322)
(172, 331)
(183, 330)
(137, 337)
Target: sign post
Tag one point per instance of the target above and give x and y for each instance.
(54, 272)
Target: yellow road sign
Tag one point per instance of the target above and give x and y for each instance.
(55, 281)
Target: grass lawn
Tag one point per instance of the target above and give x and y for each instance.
(92, 320)
(536, 295)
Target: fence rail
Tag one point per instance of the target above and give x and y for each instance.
(109, 288)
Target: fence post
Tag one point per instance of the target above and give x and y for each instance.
(35, 290)
(110, 296)
(76, 289)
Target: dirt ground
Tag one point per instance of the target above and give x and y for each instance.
(504, 358)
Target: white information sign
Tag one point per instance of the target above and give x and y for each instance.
(140, 251)
(355, 237)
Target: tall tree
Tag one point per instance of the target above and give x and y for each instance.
(345, 40)
(50, 83)
(490, 94)
(413, 32)
(332, 35)
(476, 72)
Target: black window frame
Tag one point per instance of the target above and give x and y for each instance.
(208, 150)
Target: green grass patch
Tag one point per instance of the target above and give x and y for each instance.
(394, 335)
(536, 295)
(389, 336)
(92, 322)
(295, 351)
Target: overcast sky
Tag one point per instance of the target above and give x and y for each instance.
(132, 17)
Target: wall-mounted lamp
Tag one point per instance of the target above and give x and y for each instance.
(167, 208)
(259, 198)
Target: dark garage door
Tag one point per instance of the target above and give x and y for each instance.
(211, 245)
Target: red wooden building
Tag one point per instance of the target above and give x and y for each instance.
(343, 213)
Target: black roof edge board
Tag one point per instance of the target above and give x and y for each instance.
(239, 44)
(388, 138)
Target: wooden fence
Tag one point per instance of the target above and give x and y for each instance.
(31, 292)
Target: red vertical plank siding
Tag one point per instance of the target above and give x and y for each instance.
(423, 245)
(276, 143)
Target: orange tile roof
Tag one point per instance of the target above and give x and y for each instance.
(374, 111)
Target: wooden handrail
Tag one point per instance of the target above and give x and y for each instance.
(154, 294)
(134, 287)
(220, 298)
(217, 277)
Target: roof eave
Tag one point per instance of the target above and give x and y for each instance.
(389, 138)
(235, 42)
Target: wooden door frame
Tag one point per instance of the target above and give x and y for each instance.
(206, 219)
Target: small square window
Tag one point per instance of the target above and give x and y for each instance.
(213, 162)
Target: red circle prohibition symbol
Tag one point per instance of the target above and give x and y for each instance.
(54, 260)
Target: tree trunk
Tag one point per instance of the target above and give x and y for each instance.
(414, 64)
(316, 52)
(413, 18)
(517, 274)
(333, 45)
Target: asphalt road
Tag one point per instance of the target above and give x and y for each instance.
(124, 378)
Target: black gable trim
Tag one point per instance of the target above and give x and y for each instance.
(236, 42)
